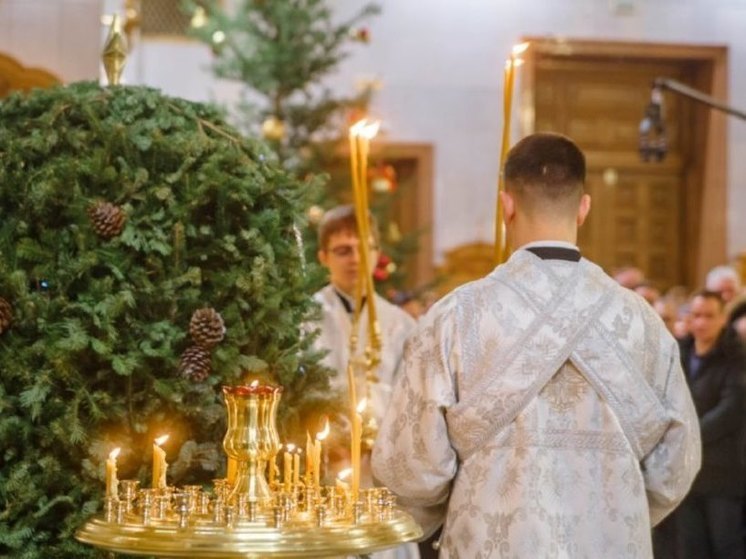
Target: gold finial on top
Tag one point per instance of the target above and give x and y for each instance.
(114, 55)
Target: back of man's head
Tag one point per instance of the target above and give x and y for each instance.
(546, 173)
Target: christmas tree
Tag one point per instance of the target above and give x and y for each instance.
(281, 52)
(149, 254)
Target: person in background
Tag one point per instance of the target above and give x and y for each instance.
(628, 276)
(542, 410)
(709, 521)
(648, 291)
(725, 281)
(339, 252)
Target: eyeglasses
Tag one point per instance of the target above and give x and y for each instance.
(345, 251)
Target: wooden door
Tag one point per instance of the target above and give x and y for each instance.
(649, 215)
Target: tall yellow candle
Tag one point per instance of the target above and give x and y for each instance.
(159, 463)
(357, 432)
(309, 458)
(112, 483)
(287, 464)
(320, 436)
(509, 82)
(341, 481)
(272, 470)
(296, 467)
(231, 471)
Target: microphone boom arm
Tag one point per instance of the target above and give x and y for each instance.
(696, 95)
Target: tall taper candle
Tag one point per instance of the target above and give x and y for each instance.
(112, 483)
(159, 463)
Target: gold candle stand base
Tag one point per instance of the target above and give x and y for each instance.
(296, 538)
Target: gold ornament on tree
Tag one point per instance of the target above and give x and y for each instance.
(207, 328)
(107, 219)
(273, 129)
(195, 364)
(114, 56)
(6, 315)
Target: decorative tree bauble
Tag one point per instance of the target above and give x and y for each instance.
(315, 213)
(383, 179)
(361, 34)
(107, 219)
(273, 129)
(207, 328)
(195, 363)
(6, 315)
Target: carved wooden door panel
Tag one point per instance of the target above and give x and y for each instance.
(637, 208)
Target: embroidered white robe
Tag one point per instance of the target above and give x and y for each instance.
(336, 327)
(540, 412)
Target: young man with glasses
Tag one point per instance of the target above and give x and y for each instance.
(339, 252)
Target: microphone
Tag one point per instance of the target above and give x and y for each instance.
(653, 145)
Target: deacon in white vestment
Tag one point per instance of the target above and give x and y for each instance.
(335, 329)
(541, 411)
(339, 251)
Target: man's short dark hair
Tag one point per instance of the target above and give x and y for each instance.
(342, 218)
(545, 167)
(708, 294)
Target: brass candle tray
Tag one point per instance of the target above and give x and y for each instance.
(306, 535)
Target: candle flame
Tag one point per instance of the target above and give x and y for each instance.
(508, 64)
(324, 433)
(517, 62)
(160, 440)
(357, 128)
(254, 383)
(344, 474)
(289, 447)
(370, 130)
(114, 453)
(299, 451)
(361, 405)
(520, 48)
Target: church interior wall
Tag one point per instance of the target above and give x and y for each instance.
(439, 64)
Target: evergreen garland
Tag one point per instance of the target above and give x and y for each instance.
(101, 313)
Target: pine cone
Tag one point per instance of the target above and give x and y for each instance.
(207, 327)
(108, 219)
(195, 364)
(6, 315)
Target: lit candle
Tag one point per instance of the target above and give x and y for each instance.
(320, 436)
(367, 133)
(509, 79)
(272, 467)
(231, 471)
(357, 431)
(342, 477)
(296, 467)
(309, 459)
(287, 463)
(159, 463)
(112, 483)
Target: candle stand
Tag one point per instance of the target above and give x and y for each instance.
(252, 517)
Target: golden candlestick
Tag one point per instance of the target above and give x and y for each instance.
(114, 55)
(247, 438)
(511, 64)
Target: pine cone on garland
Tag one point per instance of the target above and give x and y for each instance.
(107, 219)
(195, 364)
(207, 328)
(6, 315)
